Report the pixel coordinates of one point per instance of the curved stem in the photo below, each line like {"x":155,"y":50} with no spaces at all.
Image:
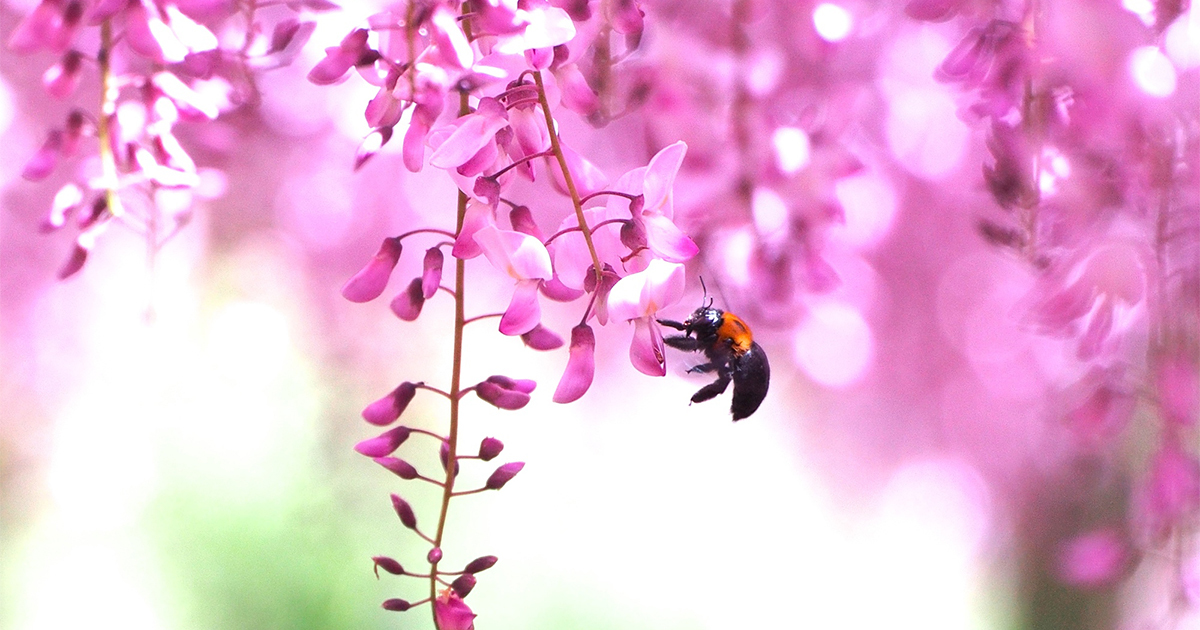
{"x":479,"y":317}
{"x":580,"y":229}
{"x":556,"y":146}
{"x":108,"y":107}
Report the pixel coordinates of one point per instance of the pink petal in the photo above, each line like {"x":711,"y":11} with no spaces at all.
{"x":37,"y":29}
{"x":66,"y":201}
{"x":369,"y":283}
{"x":627,"y":17}
{"x":449,"y":39}
{"x":1097,"y":331}
{"x":521,"y":256}
{"x":407,"y":304}
{"x":503,"y":475}
{"x":470,"y":134}
{"x":1173,"y":489}
{"x":666,"y":240}
{"x":642,"y":294}
{"x":932,"y":10}
{"x":43,"y":162}
{"x":542,"y":338}
{"x":646,"y":350}
{"x":587,"y":177}
{"x":577,"y":95}
{"x":190,"y":103}
{"x":452,"y":613}
{"x":581,"y":365}
{"x":61,"y":79}
{"x":523,"y":313}
{"x":74,"y":262}
{"x":522,"y":221}
{"x":660,"y":178}
{"x":559,"y":292}
{"x":385,"y":443}
{"x":414,"y":138}
{"x":478,"y":216}
{"x":332,"y":69}
{"x":548,"y":27}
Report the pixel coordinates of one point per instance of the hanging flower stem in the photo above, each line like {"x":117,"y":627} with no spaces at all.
{"x":108,"y":107}
{"x":460,"y":321}
{"x":556,"y":146}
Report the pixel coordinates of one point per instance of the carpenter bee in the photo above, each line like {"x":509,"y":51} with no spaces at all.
{"x":732,"y":353}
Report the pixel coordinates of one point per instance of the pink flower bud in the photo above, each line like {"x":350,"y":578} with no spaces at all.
{"x":503,"y":474}
{"x":384,"y":444}
{"x":581,"y":365}
{"x":401,"y":468}
{"x":407,"y":304}
{"x":489,"y":448}
{"x":74,"y":262}
{"x":480,"y":564}
{"x":432,"y":276}
{"x":370,"y":282}
{"x":434,"y":556}
{"x":386,"y":410}
{"x":404,"y":511}
{"x":43,"y":162}
{"x":387,"y":564}
{"x":463,"y":584}
{"x":396,"y":604}
{"x":444,"y":457}
{"x":500,"y":396}
{"x":61,"y":79}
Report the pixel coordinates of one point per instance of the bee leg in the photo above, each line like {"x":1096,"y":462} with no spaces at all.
{"x":702,"y":368}
{"x":683,"y":342}
{"x":672,"y":324}
{"x":712,"y":389}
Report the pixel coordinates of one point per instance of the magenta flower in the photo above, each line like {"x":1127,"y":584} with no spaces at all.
{"x":581,"y":366}
{"x":450,"y":612}
{"x":478,"y":216}
{"x":652,"y":222}
{"x":1094,"y":559}
{"x":61,"y":79}
{"x":468,"y":144}
{"x":50,"y":25}
{"x":353,"y":51}
{"x":525,"y":260}
{"x":637,"y":298}
{"x":387,"y":410}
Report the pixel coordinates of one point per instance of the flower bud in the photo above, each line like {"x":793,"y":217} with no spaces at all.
{"x":371,"y":145}
{"x":401,"y":468}
{"x":385,"y":443}
{"x":581,"y":366}
{"x":404,"y":511}
{"x":387,"y":564}
{"x":387,"y":410}
{"x":370,"y":282}
{"x":522,"y":221}
{"x":503,"y":474}
{"x":463,"y":584}
{"x":480,"y":564}
{"x":396,"y":605}
{"x":434,"y":556}
{"x":431,"y":278}
{"x":489,"y":448}
{"x":504,"y":392}
{"x":444,"y":456}
{"x":407,"y":304}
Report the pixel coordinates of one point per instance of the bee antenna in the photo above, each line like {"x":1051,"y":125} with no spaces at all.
{"x":705,"y":288}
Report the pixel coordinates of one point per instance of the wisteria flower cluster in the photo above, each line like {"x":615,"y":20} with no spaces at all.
{"x":158,"y":65}
{"x":1112,"y":238}
{"x":478,"y":88}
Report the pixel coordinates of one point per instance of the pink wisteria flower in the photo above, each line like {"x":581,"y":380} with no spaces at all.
{"x":525,"y":260}
{"x":653,"y":226}
{"x":452,"y":613}
{"x":637,"y":298}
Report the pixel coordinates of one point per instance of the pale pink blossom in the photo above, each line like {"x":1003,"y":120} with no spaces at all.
{"x":637,"y":298}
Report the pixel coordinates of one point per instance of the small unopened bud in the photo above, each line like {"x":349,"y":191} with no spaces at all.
{"x":401,"y":468}
{"x":463,"y":584}
{"x":396,"y":605}
{"x":503,"y":474}
{"x":434,"y":556}
{"x":431,"y":278}
{"x":387,"y":564}
{"x":404,"y":511}
{"x":407,"y":304}
{"x":480,"y":564}
{"x":444,"y":456}
{"x":370,"y":282}
{"x":386,"y":410}
{"x":504,"y":394}
{"x":489,"y":448}
{"x":384,"y":444}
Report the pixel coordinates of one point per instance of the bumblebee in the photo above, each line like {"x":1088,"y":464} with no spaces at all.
{"x":732,"y":353}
